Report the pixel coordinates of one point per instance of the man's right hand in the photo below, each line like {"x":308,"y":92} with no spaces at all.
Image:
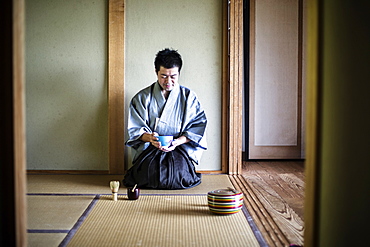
{"x":150,"y":137}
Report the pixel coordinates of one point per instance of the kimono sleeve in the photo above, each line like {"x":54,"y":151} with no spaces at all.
{"x":195,"y":122}
{"x":138,"y":122}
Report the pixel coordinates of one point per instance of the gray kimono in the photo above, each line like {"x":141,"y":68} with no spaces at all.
{"x":180,"y":115}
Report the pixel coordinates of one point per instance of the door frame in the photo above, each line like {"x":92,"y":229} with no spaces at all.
{"x":13,"y":223}
{"x":16,"y":186}
{"x":232,"y":90}
{"x":232,"y":87}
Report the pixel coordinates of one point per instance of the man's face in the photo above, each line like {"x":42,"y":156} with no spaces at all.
{"x":168,"y":78}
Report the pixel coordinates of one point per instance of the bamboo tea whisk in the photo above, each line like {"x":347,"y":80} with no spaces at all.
{"x":114,"y":186}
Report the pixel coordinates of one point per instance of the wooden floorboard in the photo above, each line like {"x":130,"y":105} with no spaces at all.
{"x":279,"y":187}
{"x":266,"y":225}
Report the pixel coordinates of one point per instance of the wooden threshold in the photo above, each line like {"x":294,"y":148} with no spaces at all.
{"x":211,"y":172}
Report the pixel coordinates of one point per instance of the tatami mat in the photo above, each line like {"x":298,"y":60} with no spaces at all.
{"x":71,"y":184}
{"x":161,"y":221}
{"x":55,"y":212}
{"x":78,"y":209}
{"x":99,"y":184}
{"x":45,"y":239}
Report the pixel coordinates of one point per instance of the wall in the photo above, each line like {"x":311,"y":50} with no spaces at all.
{"x":66,"y":85}
{"x":66,"y":81}
{"x":344,"y":150}
{"x":192,"y":27}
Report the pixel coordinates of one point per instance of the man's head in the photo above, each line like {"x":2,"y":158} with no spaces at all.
{"x":168,"y":59}
{"x":168,"y":64}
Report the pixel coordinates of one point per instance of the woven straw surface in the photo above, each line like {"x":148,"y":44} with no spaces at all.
{"x":55,"y":212}
{"x":45,"y":239}
{"x":157,"y":218}
{"x":99,"y":184}
{"x":161,"y":221}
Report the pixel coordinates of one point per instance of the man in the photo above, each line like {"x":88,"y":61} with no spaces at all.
{"x":165,"y":108}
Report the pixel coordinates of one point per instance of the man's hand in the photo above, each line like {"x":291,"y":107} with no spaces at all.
{"x":171,"y":147}
{"x":175,"y":143}
{"x":150,"y":137}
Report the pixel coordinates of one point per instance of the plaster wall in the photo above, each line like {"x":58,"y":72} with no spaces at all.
{"x":66,"y":85}
{"x":66,"y":73}
{"x":192,"y":27}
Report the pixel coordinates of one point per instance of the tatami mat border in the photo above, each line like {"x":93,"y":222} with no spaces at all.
{"x":79,"y":222}
{"x":254,"y":228}
{"x":123,"y":194}
{"x":60,"y":194}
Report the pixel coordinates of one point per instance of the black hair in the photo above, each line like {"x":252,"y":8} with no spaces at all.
{"x":167,"y":58}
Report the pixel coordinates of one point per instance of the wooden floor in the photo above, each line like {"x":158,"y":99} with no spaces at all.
{"x":279,"y":187}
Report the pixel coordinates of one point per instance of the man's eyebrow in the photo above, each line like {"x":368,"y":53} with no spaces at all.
{"x":169,"y":75}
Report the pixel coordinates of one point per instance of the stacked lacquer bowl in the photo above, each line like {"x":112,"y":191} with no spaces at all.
{"x":225,"y":201}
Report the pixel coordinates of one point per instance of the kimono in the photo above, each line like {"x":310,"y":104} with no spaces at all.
{"x":180,"y":115}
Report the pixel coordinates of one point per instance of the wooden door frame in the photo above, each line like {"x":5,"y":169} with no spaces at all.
{"x":232,"y":92}
{"x":13,"y":223}
{"x":232,"y":87}
{"x":116,"y":125}
{"x":16,"y":179}
{"x":313,"y":132}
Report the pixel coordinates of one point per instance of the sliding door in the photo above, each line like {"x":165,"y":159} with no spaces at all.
{"x":276,"y":80}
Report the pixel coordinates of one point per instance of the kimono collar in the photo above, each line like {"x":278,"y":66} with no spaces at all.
{"x":161,"y":100}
